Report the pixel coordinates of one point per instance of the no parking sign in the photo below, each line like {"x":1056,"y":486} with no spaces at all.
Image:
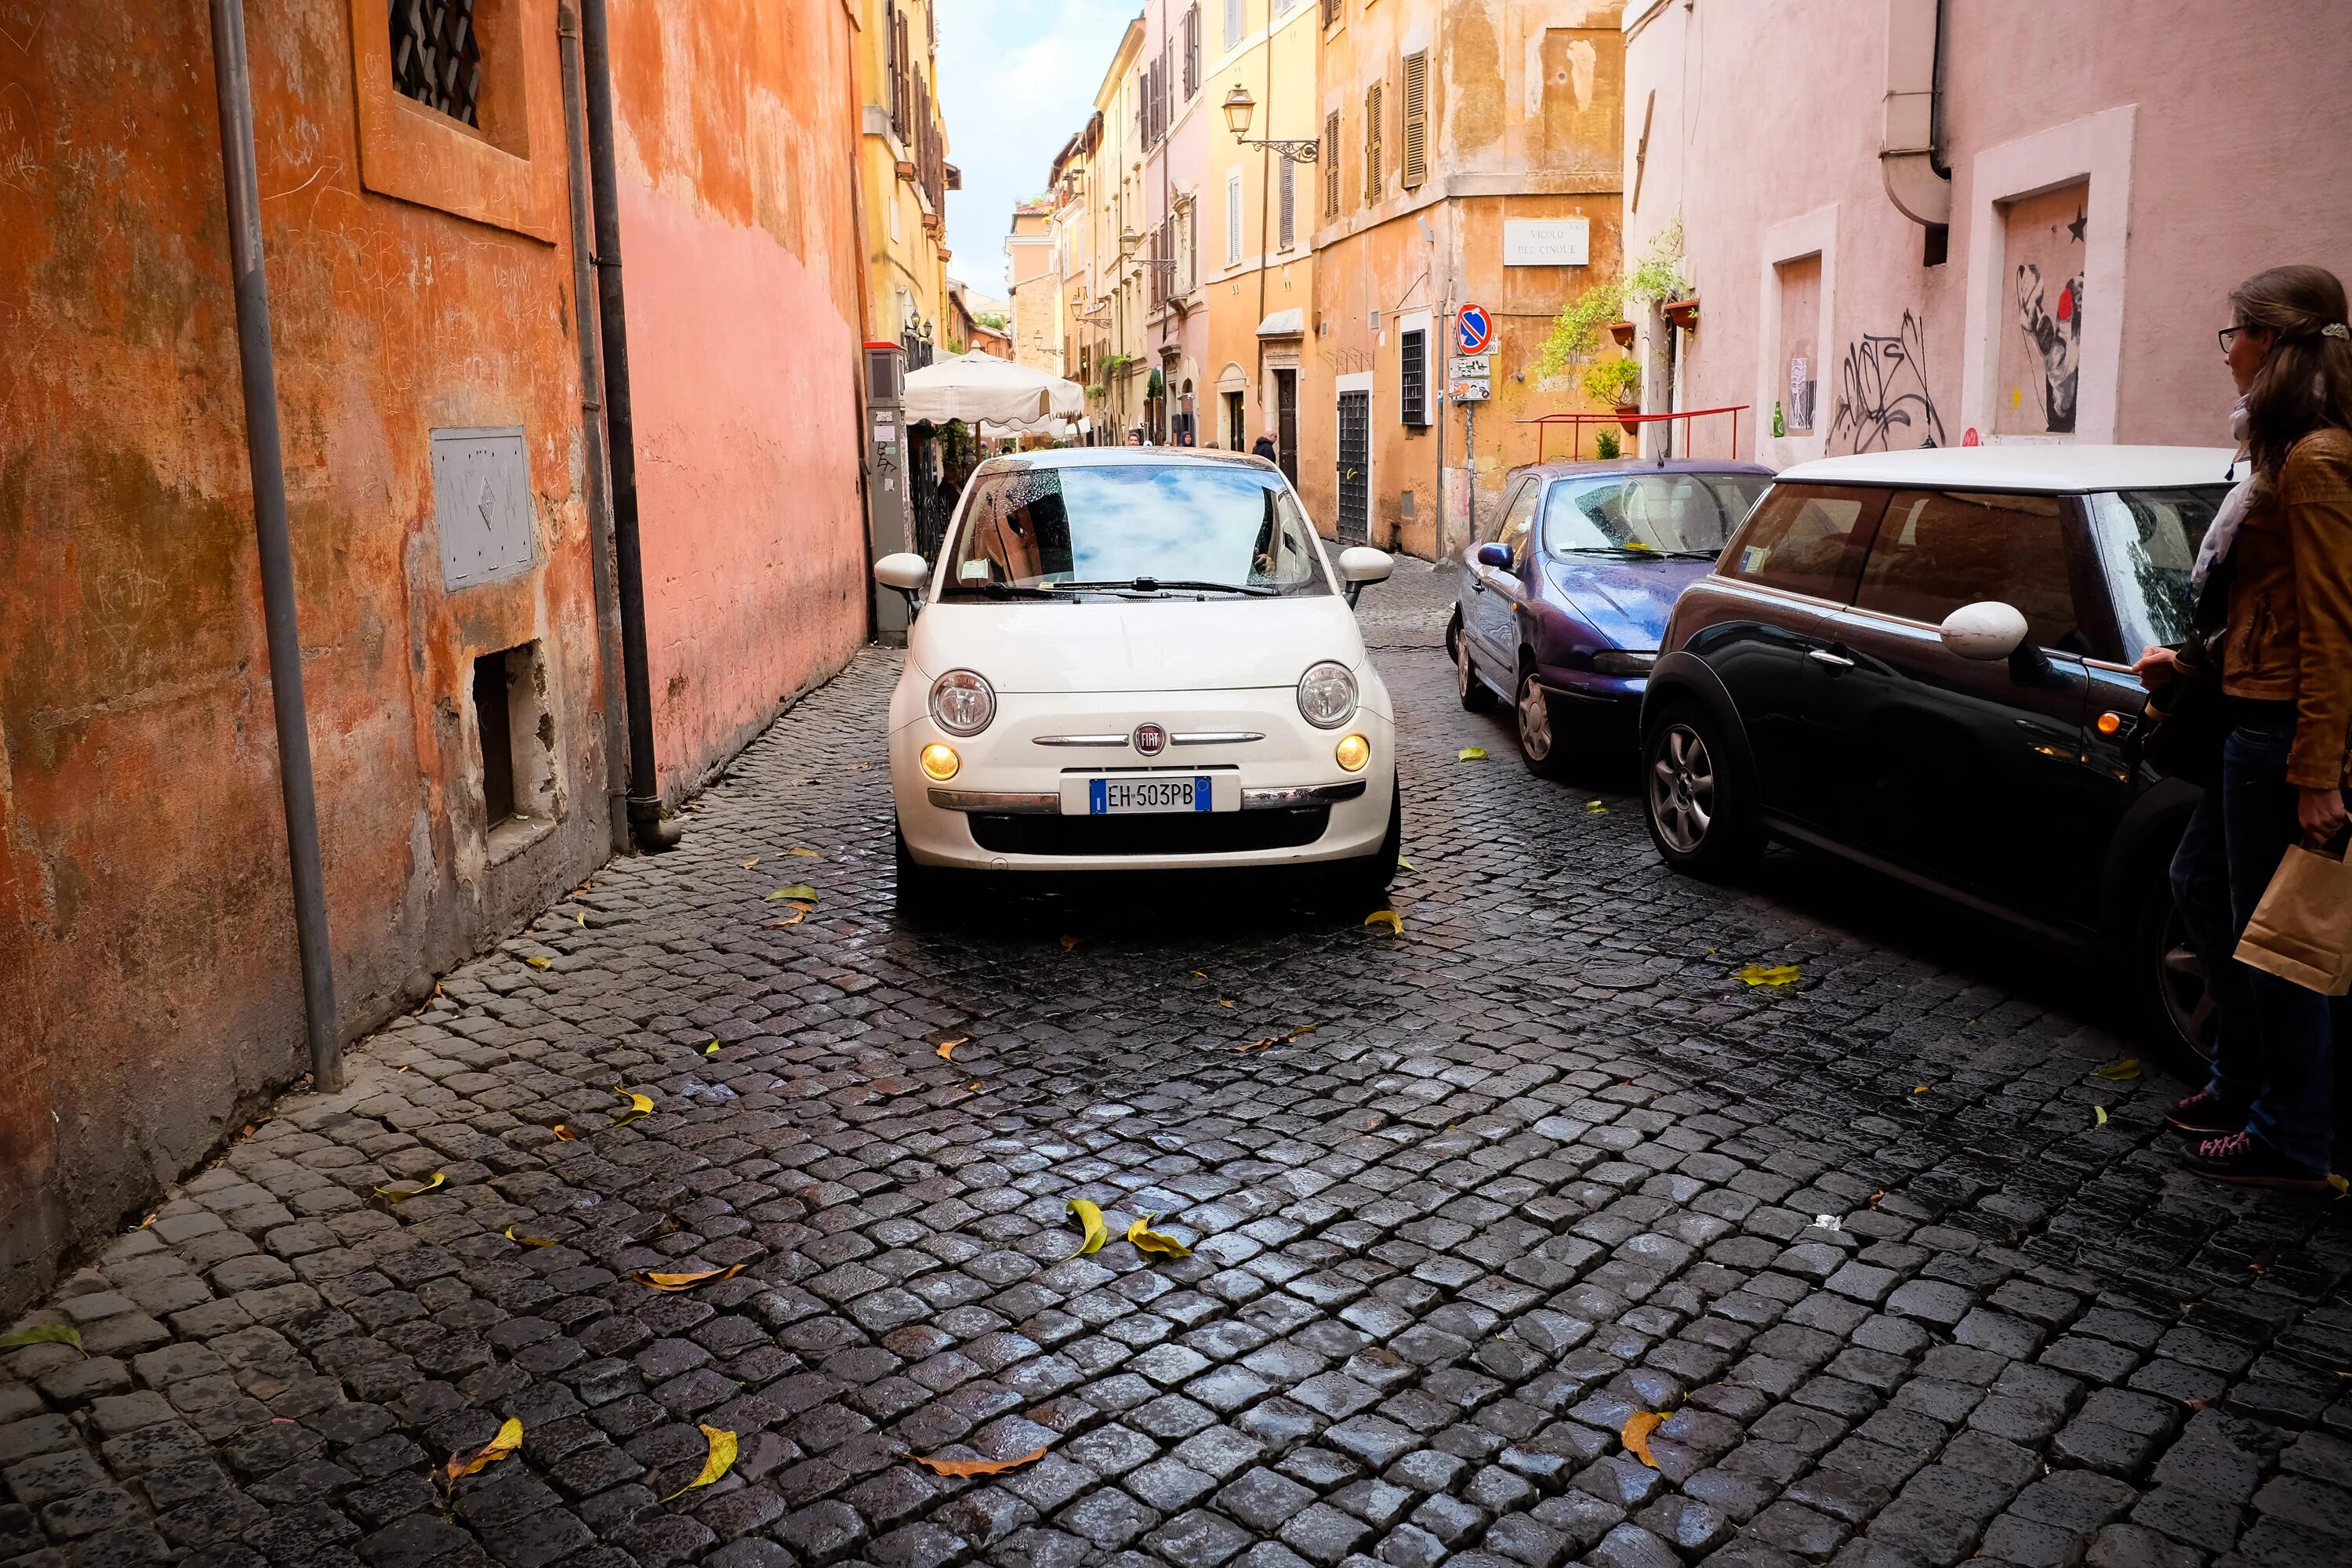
{"x":1474,"y":330}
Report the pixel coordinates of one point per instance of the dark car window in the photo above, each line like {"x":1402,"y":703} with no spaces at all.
{"x":1671,"y":514}
{"x":1937,"y":550}
{"x":1806,"y":539}
{"x":2147,"y":543}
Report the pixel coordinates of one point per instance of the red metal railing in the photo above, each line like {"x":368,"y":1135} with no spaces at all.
{"x":1577,"y":422}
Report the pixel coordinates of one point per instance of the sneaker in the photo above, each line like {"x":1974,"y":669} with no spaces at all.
{"x":2206,"y":1112}
{"x":2243,"y":1161}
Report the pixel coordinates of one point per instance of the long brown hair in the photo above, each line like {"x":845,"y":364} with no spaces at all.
{"x":2306,"y":381}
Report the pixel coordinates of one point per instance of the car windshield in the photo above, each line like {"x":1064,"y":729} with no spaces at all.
{"x":2148,"y":544}
{"x":1689,"y":515}
{"x":1144,"y":528}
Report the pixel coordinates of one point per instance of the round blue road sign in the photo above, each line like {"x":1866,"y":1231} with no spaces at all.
{"x":1473,"y":331}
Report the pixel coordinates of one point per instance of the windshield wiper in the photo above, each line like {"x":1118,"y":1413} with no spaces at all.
{"x":1623,"y":551}
{"x":1181,"y":586}
{"x":994,"y":590}
{"x":1695,"y":555}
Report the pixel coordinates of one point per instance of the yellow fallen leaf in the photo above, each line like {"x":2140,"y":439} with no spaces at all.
{"x":973,"y":1084}
{"x":1635,"y":1433}
{"x":1769,"y":974}
{"x":1920,"y":1089}
{"x":1595,"y":807}
{"x":540,"y":962}
{"x":974,"y":1466}
{"x":946,"y":1047}
{"x":393,"y":1194}
{"x":1405,"y":865}
{"x":1199,"y":974}
{"x":42,"y":1334}
{"x":509,"y":1439}
{"x":1256,"y":1044}
{"x":2102,"y":1111}
{"x":564,"y":1133}
{"x":684,"y":1281}
{"x":1471,"y":754}
{"x":799,"y":892}
{"x":747,"y":865}
{"x":1145,"y":1240}
{"x":1303,"y":1029}
{"x":1387,"y":918}
{"x":2123,"y":1071}
{"x":1225,"y":1004}
{"x":1090,"y":1218}
{"x":801,"y":852}
{"x":711,"y":1050}
{"x":583,"y":918}
{"x":791,"y":919}
{"x":720,"y":1460}
{"x":527,"y":1240}
{"x":1069,"y":943}
{"x":640,"y":1107}
{"x":2341,"y":1186}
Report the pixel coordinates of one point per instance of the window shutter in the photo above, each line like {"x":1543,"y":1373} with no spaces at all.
{"x":1416,"y":119}
{"x":1288,"y":206}
{"x":1192,"y":50}
{"x":1331,"y":164}
{"x":1234,"y":220}
{"x":1372,"y":144}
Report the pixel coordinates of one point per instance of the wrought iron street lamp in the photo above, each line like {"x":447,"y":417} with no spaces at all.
{"x":1239,"y":105}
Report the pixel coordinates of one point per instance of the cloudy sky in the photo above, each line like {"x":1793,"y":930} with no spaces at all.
{"x":1017,"y":79}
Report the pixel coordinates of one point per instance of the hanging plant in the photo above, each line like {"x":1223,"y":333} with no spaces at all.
{"x":1613,"y":382}
{"x":1576,"y":333}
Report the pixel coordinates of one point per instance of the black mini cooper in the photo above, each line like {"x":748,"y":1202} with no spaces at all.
{"x":1921,"y":661}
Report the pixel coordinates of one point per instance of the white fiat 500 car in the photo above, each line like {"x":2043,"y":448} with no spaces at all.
{"x":1138,"y":659}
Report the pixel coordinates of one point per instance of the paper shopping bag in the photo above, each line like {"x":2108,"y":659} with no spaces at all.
{"x":2302,"y":930}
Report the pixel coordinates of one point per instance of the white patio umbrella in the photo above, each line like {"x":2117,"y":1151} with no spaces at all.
{"x":979,"y":387}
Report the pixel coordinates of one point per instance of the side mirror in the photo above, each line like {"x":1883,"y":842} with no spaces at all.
{"x":906,"y":571}
{"x":1985,"y":631}
{"x":1361,"y":565}
{"x":1497,"y":556}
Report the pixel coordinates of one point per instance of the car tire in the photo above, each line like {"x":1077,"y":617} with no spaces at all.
{"x":1477,"y":696}
{"x":1364,"y":883}
{"x":1700,"y":811}
{"x":2166,"y":980}
{"x":922,"y":889}
{"x":1542,"y":747}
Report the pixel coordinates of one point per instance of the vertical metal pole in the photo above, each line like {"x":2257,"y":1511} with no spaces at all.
{"x":644,"y":792}
{"x":232,"y":80}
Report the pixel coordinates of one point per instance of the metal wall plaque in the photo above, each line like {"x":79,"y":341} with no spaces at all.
{"x":482,"y":504}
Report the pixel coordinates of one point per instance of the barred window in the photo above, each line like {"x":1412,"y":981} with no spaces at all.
{"x":437,"y":56}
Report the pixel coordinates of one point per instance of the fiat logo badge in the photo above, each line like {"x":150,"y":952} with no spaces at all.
{"x":1150,"y":740}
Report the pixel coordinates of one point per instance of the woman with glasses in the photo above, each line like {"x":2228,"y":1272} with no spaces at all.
{"x":2279,"y":555}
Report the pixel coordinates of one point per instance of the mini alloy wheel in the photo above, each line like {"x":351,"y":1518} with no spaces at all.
{"x":1696,"y":798}
{"x":1682,"y":789}
{"x":2175,"y":999}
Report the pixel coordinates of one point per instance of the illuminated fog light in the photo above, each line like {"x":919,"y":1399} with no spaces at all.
{"x":940,"y":762}
{"x":1352,"y":753}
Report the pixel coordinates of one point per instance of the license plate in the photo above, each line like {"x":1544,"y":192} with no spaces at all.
{"x":1142,"y":796}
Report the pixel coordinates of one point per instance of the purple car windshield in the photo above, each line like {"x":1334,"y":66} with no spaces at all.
{"x":1689,"y":515}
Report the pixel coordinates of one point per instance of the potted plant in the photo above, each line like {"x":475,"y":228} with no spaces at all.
{"x":1615,"y":384}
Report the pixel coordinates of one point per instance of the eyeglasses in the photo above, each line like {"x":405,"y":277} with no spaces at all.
{"x":2229,"y":335}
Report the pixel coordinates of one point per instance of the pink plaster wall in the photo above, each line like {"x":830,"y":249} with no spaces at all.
{"x":1769,"y":110}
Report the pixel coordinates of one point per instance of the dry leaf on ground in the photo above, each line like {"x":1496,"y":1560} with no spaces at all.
{"x":540,"y":962}
{"x":509,"y":1439}
{"x":801,"y":852}
{"x":1471,"y":754}
{"x":640,"y":1107}
{"x":393,"y":1195}
{"x":1595,"y":807}
{"x":747,"y":865}
{"x":675,"y":1282}
{"x":1090,"y":1218}
{"x":1387,"y":918}
{"x":2102,"y":1112}
{"x":722,"y":1458}
{"x":2123,"y":1071}
{"x":1636,"y":1434}
{"x":1769,"y":974}
{"x":1069,"y":943}
{"x":1921,"y":1089}
{"x":1405,"y":865}
{"x":1146,"y":1239}
{"x":2341,"y":1186}
{"x":798,"y":892}
{"x":791,"y":919}
{"x":711,"y":1050}
{"x":974,"y":1466}
{"x":41,"y":1334}
{"x":1256,"y":1044}
{"x":564,"y":1133}
{"x":1304,"y":1029}
{"x":946,"y":1047}
{"x":528,"y":1240}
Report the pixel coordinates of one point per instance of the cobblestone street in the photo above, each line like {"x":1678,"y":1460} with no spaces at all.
{"x":1463,"y":1201}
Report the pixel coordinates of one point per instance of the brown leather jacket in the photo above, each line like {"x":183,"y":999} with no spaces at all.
{"x":2290,"y":619}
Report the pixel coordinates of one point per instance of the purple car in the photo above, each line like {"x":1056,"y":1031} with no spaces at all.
{"x":1563,"y":598}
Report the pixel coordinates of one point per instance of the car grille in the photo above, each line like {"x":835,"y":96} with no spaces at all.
{"x":1195,"y":833}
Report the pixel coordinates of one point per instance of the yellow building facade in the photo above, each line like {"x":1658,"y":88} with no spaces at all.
{"x":904,"y":177}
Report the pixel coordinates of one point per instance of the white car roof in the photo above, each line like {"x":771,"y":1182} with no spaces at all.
{"x":2025,"y":466}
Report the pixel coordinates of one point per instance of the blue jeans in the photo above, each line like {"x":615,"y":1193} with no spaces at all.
{"x":2273,"y":1050}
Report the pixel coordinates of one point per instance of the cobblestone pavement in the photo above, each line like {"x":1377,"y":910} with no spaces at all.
{"x":1542,"y":1164}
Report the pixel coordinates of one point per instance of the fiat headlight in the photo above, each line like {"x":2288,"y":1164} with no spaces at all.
{"x":962,"y":704}
{"x":1327,"y":695}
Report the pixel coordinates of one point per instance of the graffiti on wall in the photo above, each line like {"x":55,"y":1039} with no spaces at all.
{"x":2043,"y":249}
{"x":1882,"y":393}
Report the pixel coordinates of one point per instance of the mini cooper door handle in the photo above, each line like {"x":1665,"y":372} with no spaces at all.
{"x":1824,"y":656}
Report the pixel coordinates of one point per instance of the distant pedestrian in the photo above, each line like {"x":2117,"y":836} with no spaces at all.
{"x":1135,"y":436}
{"x":2282,"y":554}
{"x":1264,"y":448}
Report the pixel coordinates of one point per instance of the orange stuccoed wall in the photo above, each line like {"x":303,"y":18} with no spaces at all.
{"x":150,"y":1001}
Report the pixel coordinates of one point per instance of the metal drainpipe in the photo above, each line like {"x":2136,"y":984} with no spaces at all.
{"x":233,"y":82}
{"x":647,"y":826}
{"x":592,"y":426}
